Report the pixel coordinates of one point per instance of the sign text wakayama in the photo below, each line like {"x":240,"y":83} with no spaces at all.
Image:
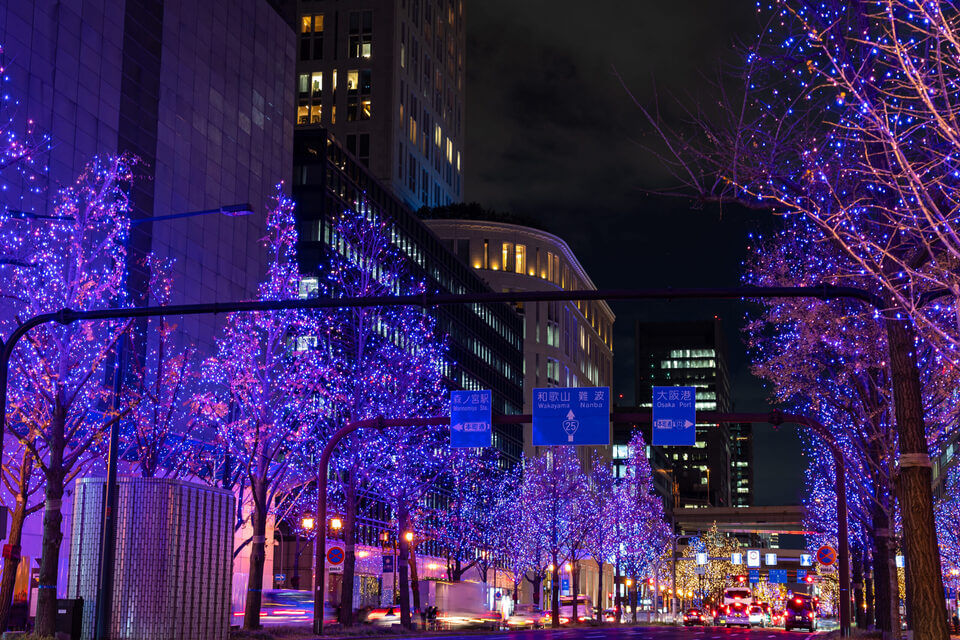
{"x":571,"y":416}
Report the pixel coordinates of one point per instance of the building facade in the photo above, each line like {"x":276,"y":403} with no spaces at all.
{"x":741,"y":464}
{"x":565,"y":344}
{"x":158,"y":79}
{"x":694,"y":354}
{"x":386,"y":79}
{"x":485,"y":341}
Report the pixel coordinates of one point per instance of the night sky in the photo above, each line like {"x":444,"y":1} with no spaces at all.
{"x":552,"y":134}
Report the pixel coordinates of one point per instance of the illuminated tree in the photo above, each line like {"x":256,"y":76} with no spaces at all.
{"x":59,"y":403}
{"x":380,"y":361}
{"x":156,"y":433}
{"x":948,"y":528}
{"x":23,"y":483}
{"x":846,"y":114}
{"x":600,"y":519}
{"x":264,"y":389}
{"x":552,"y":483}
{"x":23,"y":146}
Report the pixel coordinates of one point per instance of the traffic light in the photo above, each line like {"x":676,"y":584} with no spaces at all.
{"x":809,"y":579}
{"x":650,"y":582}
{"x":741,"y":579}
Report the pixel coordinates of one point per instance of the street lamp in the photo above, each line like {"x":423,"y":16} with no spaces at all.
{"x":336,"y":523}
{"x":408,"y":536}
{"x":104,"y":601}
{"x":307,"y":522}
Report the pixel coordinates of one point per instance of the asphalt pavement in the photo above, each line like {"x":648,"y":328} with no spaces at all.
{"x":638,"y":633}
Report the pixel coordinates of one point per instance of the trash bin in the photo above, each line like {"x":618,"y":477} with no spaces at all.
{"x":70,"y":617}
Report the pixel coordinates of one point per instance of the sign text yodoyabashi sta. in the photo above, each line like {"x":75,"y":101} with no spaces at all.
{"x":471,"y":420}
{"x":571,"y":416}
{"x":674,"y":416}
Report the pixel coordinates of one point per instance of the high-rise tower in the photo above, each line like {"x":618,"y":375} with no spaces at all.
{"x":386,"y":79}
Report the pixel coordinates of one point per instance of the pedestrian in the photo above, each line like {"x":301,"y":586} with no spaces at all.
{"x":956,"y":623}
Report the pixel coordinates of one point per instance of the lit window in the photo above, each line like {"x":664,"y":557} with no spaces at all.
{"x":520,"y":262}
{"x":437,"y":136}
{"x":316,"y":82}
{"x":303,"y":114}
{"x":507,"y":249}
{"x":360,"y":34}
{"x":311,"y":37}
{"x":353,"y":80}
{"x":303,"y":83}
{"x":449,"y":150}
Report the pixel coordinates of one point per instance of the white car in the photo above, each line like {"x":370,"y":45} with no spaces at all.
{"x":757,"y":617}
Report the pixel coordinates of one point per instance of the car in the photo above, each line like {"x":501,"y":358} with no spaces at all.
{"x":693,"y":617}
{"x":585,"y":609}
{"x":547,"y":619}
{"x":525,"y":616}
{"x":288,"y":606}
{"x":757,"y":616}
{"x":800,"y":613}
{"x":610,"y":615}
{"x":737,"y":614}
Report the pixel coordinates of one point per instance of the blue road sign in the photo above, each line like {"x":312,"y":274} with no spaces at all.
{"x":801,"y":575}
{"x":754,"y":576}
{"x":571,"y":416}
{"x":777,"y":576}
{"x":471,"y":418}
{"x":674,"y":416}
{"x":564,"y":586}
{"x":388,"y":563}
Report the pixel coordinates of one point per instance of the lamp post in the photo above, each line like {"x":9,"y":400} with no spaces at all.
{"x":104,"y":603}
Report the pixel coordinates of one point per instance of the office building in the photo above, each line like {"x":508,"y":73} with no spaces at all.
{"x":386,"y":79}
{"x":693,"y":354}
{"x":565,"y":344}
{"x":741,"y":464}
{"x":159,"y":79}
{"x":485,"y":341}
{"x":660,"y":467}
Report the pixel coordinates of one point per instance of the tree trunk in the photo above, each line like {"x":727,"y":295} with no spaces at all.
{"x":633,"y":599}
{"x":403,"y":519}
{"x":857,"y":584}
{"x":869,"y":596}
{"x":414,"y":578}
{"x":10,"y":565}
{"x":555,"y":592}
{"x":617,"y":600}
{"x":925,"y":596}
{"x":574,"y":575}
{"x":349,"y":551}
{"x":50,"y":554}
{"x":599,"y":607}
{"x":535,"y":583}
{"x":886,"y":603}
{"x":251,"y":611}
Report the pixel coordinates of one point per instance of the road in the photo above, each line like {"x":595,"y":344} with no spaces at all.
{"x":639,"y":633}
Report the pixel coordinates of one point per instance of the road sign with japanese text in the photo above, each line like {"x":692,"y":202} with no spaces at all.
{"x":777,"y":576}
{"x":571,"y":416}
{"x":754,"y":576}
{"x":471,"y":418}
{"x":674,"y":416}
{"x":335,"y":557}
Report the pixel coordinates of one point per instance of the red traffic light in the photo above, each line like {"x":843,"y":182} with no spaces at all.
{"x":650,"y":581}
{"x":741,"y":579}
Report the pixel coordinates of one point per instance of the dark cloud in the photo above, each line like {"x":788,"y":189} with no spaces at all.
{"x":553,"y":134}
